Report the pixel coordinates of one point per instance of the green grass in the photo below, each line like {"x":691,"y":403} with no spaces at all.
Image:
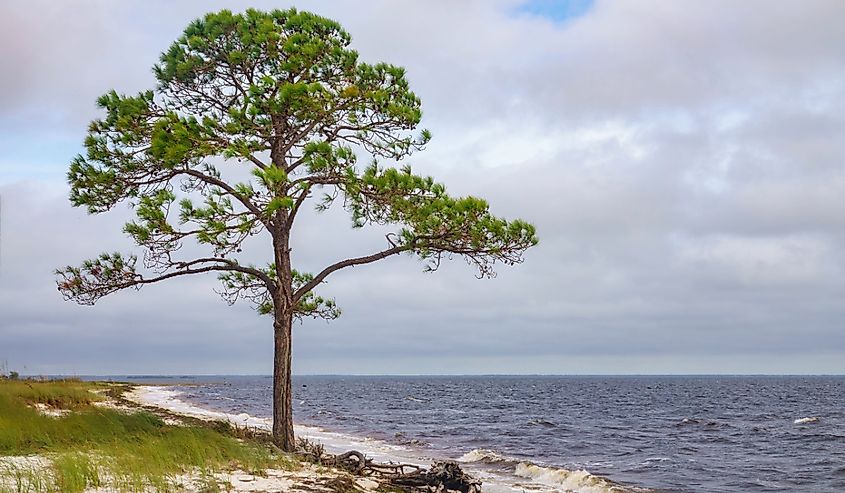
{"x":94,"y":446}
{"x":64,"y":394}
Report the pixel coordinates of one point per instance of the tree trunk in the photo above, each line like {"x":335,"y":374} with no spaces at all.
{"x":282,"y":387}
{"x":283,"y":308}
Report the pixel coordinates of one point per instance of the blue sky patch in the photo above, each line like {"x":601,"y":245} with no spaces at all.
{"x":27,"y":157}
{"x":559,"y":11}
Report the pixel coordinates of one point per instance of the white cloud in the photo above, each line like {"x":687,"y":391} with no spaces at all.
{"x":683,"y":163}
{"x":761,"y":262}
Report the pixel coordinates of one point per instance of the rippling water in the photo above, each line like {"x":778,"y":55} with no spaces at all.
{"x":714,"y":434}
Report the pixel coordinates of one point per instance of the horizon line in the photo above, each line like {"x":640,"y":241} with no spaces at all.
{"x":189,"y":375}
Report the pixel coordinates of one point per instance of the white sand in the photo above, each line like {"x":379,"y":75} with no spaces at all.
{"x":51,"y":411}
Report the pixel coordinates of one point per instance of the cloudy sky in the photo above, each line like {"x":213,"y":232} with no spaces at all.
{"x":684,"y":163}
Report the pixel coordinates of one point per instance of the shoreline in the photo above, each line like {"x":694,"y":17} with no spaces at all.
{"x":120,"y":419}
{"x":499,"y":474}
{"x":163,"y":397}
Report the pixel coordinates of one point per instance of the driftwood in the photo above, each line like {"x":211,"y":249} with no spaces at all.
{"x":441,"y":477}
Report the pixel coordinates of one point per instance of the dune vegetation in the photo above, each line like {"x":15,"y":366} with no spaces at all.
{"x":68,"y":436}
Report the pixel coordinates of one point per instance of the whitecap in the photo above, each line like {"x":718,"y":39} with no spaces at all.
{"x":580,"y":480}
{"x":811,"y":419}
{"x":484,"y":455}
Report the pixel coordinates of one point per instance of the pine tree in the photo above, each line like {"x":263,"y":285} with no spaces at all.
{"x":281,"y":96}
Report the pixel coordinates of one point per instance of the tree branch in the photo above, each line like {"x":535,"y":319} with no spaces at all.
{"x":233,"y":266}
{"x":110,"y":273}
{"x":348,"y":263}
{"x":306,"y":190}
{"x":229,"y":189}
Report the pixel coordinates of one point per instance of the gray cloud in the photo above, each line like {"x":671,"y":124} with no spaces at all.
{"x":682,"y":161}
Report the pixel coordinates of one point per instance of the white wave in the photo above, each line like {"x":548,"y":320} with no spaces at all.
{"x":484,"y":455}
{"x":811,"y":419}
{"x":167,"y":398}
{"x":579,"y":481}
{"x":541,"y":479}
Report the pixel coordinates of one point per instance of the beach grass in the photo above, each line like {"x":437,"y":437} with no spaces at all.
{"x":64,"y":394}
{"x":93,"y":446}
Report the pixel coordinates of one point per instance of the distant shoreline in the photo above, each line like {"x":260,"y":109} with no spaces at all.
{"x":170,"y":377}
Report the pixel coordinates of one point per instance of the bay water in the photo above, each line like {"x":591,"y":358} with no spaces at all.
{"x":574,"y":433}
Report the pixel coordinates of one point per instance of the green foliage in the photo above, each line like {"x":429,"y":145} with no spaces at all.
{"x":97,"y":277}
{"x":281,"y":95}
{"x":434,"y":221}
{"x":271,"y":177}
{"x":239,"y":285}
{"x":311,"y":305}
